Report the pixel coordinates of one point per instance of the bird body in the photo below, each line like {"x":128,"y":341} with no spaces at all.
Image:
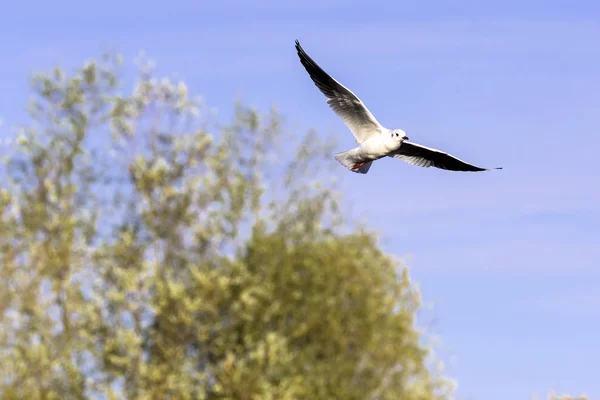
{"x":373,"y":148}
{"x":375,"y":141}
{"x":379,"y":146}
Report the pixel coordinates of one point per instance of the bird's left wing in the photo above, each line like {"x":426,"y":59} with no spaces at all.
{"x":344,"y":103}
{"x":422,"y":156}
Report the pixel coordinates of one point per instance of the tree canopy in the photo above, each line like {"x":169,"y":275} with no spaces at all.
{"x":150,"y":251}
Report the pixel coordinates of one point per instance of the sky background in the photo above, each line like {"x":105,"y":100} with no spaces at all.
{"x":508,"y":262}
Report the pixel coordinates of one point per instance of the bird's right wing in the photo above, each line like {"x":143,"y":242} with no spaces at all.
{"x":346,"y":104}
{"x":422,"y":156}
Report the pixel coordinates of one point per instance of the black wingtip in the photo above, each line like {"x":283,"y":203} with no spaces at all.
{"x":300,"y":50}
{"x":490,"y":169}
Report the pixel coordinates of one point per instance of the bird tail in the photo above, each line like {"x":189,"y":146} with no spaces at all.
{"x":349,"y":161}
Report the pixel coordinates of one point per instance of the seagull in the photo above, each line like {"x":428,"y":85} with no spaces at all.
{"x":375,"y":141}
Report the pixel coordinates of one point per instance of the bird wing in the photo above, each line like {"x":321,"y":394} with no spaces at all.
{"x":346,"y":104}
{"x":422,"y":156}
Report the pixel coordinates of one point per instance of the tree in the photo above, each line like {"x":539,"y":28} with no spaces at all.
{"x":144,"y":258}
{"x":553,"y":396}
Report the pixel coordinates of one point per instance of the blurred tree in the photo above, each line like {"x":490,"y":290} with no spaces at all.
{"x":553,"y":396}
{"x":144,"y":258}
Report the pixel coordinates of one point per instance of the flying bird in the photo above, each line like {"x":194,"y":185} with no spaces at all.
{"x":375,"y":141}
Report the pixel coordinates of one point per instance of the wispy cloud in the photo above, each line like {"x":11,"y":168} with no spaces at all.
{"x":574,"y":302}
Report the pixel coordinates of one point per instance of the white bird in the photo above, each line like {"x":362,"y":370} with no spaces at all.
{"x":374,"y":140}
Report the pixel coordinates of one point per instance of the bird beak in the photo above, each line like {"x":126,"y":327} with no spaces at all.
{"x":404,"y":137}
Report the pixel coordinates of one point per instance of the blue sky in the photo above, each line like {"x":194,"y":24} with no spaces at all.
{"x":510,"y":260}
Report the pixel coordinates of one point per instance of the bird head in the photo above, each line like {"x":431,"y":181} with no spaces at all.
{"x":398,"y":135}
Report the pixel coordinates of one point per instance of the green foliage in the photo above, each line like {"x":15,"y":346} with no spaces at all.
{"x":143,"y":257}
